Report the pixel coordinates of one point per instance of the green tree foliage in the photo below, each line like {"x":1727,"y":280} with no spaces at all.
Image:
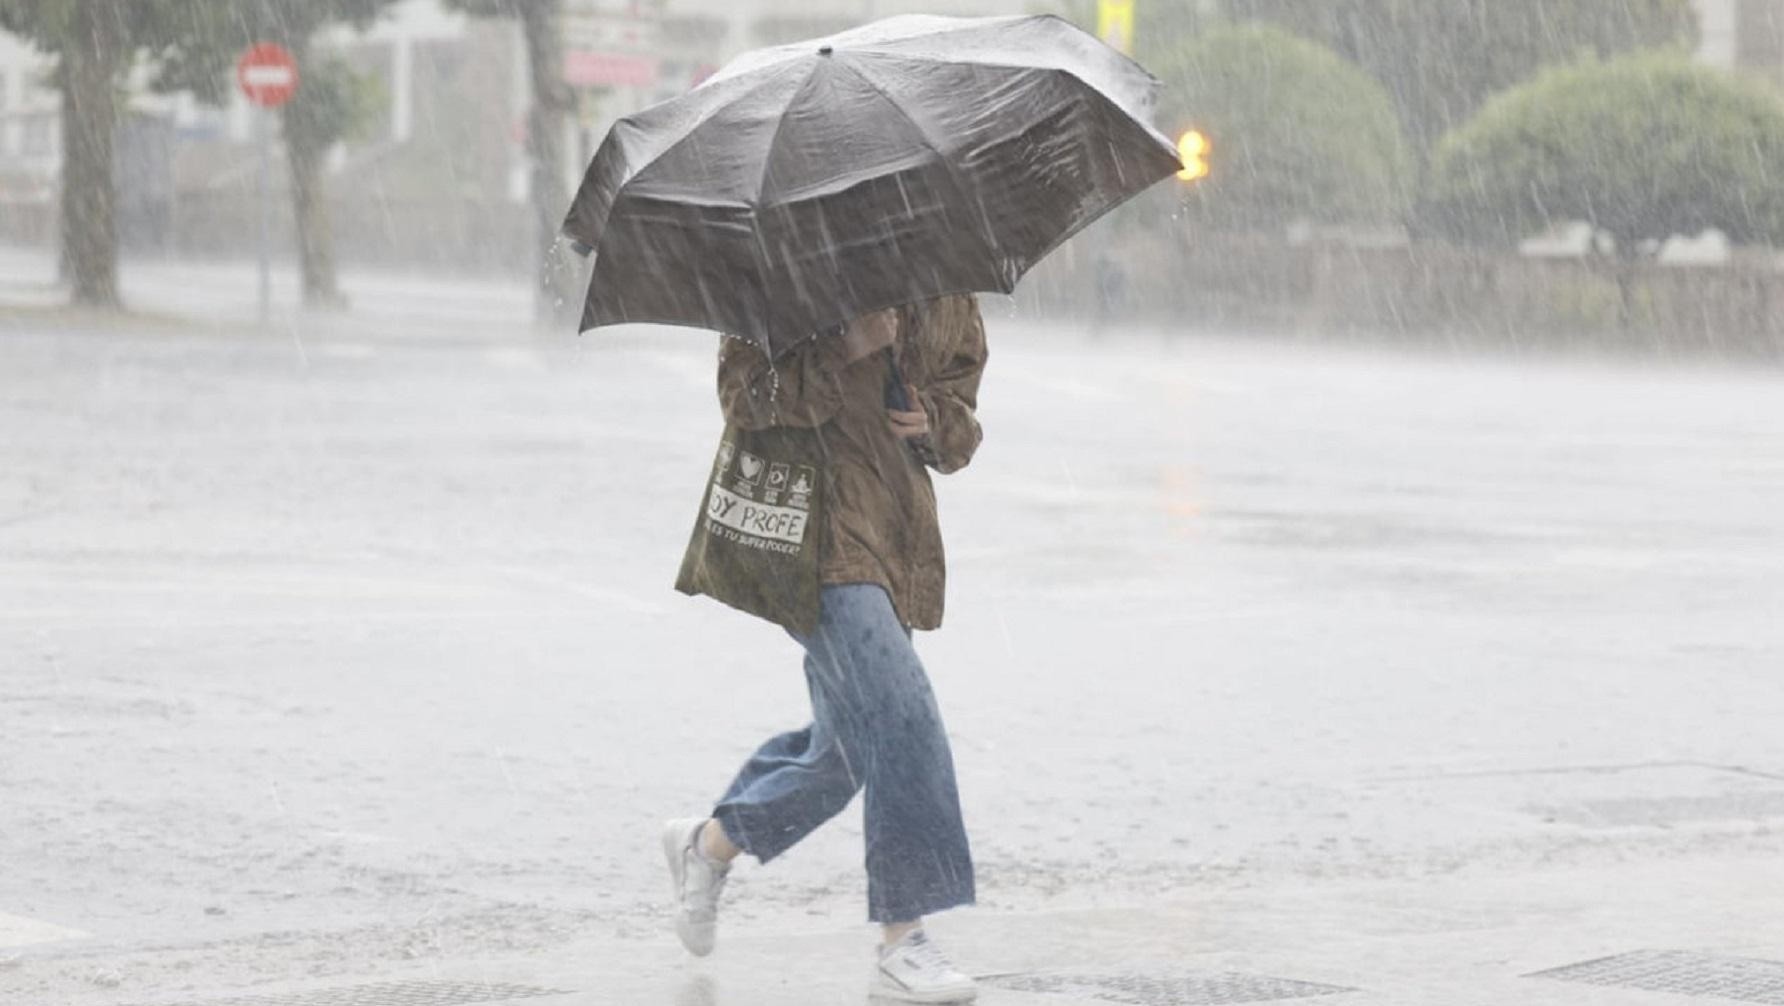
{"x":1442,"y":59}
{"x":199,"y":42}
{"x":193,"y":44}
{"x":1642,"y":147}
{"x":94,"y":42}
{"x":1297,"y":133}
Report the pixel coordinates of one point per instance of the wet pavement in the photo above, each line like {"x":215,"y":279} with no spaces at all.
{"x":1434,"y":940}
{"x":346,"y":653}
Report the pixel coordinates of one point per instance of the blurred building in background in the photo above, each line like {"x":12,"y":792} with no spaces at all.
{"x":1745,"y":35}
{"x":30,"y":141}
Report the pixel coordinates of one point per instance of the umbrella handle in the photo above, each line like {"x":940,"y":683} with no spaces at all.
{"x":895,"y":396}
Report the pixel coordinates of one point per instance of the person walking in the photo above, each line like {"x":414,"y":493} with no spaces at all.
{"x":875,"y":723}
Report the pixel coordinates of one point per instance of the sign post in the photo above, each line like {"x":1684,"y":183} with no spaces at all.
{"x":1115,"y":24}
{"x":267,"y":76}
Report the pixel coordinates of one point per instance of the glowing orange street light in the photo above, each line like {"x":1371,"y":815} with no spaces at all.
{"x":1193,"y":148}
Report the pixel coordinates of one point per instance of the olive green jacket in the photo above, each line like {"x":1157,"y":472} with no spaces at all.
{"x":879,"y":523}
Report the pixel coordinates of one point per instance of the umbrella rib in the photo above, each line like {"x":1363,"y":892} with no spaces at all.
{"x":1145,"y":84}
{"x":971,"y":191}
{"x":774,"y":137}
{"x":1105,"y":205}
{"x":698,"y":125}
{"x":755,"y":201}
{"x":896,"y":46}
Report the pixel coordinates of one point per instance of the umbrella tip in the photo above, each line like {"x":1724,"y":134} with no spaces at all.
{"x":824,"y":50}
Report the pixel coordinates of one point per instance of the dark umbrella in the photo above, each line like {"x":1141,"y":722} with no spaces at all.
{"x":914,"y":157}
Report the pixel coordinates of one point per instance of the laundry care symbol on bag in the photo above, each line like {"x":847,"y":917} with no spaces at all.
{"x":799,"y":494}
{"x":777,"y":481}
{"x":749,"y":473}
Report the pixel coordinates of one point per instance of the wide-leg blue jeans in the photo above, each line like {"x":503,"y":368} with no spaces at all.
{"x":875,"y":726}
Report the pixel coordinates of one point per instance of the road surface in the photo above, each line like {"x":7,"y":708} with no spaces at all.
{"x":328,"y":654}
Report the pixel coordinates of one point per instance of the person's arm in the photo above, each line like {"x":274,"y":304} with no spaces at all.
{"x":951,"y":397}
{"x":801,"y":387}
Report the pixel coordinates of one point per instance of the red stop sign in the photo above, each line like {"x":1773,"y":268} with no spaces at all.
{"x":267,"y":74}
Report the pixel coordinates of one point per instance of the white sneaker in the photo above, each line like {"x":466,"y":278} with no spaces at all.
{"x":914,"y":971}
{"x":698,"y":882}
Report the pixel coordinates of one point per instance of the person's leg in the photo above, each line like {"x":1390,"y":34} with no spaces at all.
{"x":918,"y":861}
{"x":884,"y":712}
{"x":782,"y":758}
{"x":875,"y":725}
{"x":791,"y":785}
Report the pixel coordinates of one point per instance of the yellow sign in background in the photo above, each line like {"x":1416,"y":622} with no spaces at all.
{"x":1115,"y":24}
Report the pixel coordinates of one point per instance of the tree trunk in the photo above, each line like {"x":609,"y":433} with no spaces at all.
{"x":305,"y":150}
{"x":89,"y":123}
{"x":1625,"y":265}
{"x":556,"y":299}
{"x":71,"y":195}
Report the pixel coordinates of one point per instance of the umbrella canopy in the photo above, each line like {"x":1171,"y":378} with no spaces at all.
{"x":914,"y":157}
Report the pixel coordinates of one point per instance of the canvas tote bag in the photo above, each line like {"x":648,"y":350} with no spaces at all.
{"x":755,"y":543}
